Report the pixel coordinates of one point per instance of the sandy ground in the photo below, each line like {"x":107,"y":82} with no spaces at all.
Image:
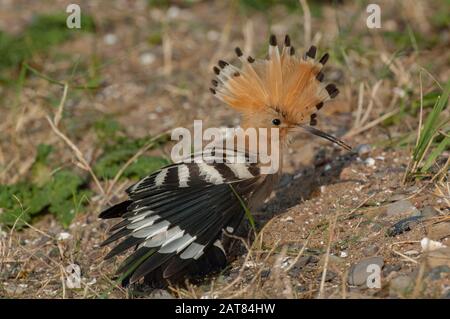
{"x":334,"y":212}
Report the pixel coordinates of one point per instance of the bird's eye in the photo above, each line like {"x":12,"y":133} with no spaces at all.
{"x":276,"y":122}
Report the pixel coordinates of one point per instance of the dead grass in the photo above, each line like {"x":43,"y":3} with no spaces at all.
{"x":337,"y":203}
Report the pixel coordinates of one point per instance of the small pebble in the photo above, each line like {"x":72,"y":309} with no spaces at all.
{"x":358,"y":273}
{"x":363,"y":149}
{"x":302,"y":263}
{"x":400,"y":285}
{"x":332,"y":260}
{"x":160,"y":294}
{"x":430,"y":245}
{"x":402,"y":207}
{"x":63,"y":236}
{"x":173,"y":12}
{"x":400,"y":92}
{"x":147,"y":58}
{"x":328,"y":277}
{"x":436,"y":272}
{"x":369,"y":161}
{"x":287,"y":219}
{"x":110,"y":39}
{"x":370,"y":250}
{"x":429,"y":211}
{"x":265,"y":273}
{"x":301,"y":288}
{"x":16,"y":290}
{"x":212,"y":35}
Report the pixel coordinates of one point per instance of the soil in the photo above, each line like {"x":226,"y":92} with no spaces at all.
{"x":333,"y":209}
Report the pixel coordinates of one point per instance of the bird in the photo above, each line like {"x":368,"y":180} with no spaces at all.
{"x":175,"y":219}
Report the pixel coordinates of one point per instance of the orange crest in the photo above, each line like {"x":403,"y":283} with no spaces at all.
{"x":284,"y":82}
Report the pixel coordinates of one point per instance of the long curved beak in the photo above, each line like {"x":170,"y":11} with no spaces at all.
{"x":326,"y":136}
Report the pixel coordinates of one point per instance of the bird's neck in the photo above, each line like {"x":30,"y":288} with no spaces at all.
{"x":267,"y":143}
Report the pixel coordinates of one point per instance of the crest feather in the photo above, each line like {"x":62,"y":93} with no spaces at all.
{"x":283,"y":81}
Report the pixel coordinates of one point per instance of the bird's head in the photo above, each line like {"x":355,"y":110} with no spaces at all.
{"x":283,"y":91}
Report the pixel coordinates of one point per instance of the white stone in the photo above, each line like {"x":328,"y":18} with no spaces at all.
{"x":110,"y":39}
{"x":369,"y":161}
{"x":63,"y":236}
{"x":287,"y":219}
{"x":147,"y":58}
{"x":212,"y":35}
{"x":173,"y":12}
{"x":430,"y":245}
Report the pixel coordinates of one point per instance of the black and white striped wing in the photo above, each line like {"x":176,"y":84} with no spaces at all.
{"x":175,"y":216}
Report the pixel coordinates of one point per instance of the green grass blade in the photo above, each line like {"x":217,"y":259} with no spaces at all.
{"x":43,"y":76}
{"x":435,"y":154}
{"x":248,"y":214}
{"x":20,"y":83}
{"x":431,"y":124}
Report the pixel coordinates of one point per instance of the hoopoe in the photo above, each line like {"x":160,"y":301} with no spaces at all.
{"x":175,"y":218}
